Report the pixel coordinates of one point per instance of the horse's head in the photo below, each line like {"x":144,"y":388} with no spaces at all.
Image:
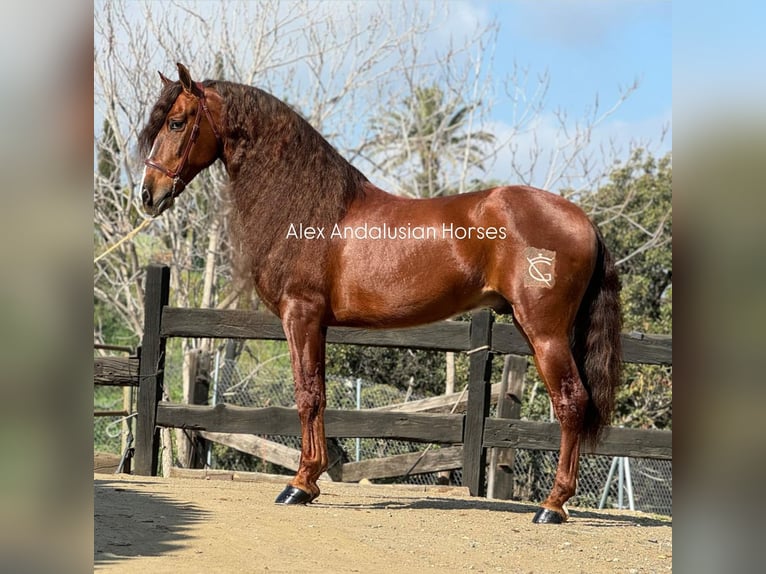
{"x":184,"y":139}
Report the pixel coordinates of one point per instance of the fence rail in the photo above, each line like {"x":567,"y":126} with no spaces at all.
{"x":443,"y":336}
{"x":237,"y":324}
{"x":474,"y":430}
{"x":423,"y":427}
{"x":115,"y":371}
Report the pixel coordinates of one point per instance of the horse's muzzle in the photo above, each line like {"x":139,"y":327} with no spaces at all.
{"x":156,"y":208}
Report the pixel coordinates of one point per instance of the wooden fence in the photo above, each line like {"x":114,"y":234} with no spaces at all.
{"x":477,"y":433}
{"x":116,"y":371}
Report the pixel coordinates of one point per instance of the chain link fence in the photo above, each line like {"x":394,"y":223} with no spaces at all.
{"x":270,"y":383}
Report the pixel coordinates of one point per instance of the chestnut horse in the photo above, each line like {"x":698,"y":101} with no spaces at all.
{"x":324,"y":246}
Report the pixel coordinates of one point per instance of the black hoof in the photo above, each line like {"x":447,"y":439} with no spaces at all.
{"x":548,"y":516}
{"x":294,"y":495}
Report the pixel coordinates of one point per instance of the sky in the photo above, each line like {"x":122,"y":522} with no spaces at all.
{"x":594,"y":48}
{"x":591,"y":47}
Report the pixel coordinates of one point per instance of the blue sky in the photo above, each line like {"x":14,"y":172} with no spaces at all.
{"x":719,"y":58}
{"x":593,"y":47}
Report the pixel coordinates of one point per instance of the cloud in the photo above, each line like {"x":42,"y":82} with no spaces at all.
{"x":579,"y":24}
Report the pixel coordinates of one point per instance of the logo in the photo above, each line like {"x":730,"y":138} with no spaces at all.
{"x":541,"y":267}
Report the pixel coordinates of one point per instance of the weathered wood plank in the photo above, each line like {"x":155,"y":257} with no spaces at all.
{"x":647,"y":349}
{"x":441,"y":336}
{"x":116,"y":371}
{"x":479,"y":372}
{"x":151,"y":369}
{"x":448,"y":458}
{"x":636,"y":347}
{"x":239,"y":324}
{"x":639,"y":443}
{"x":220,"y":324}
{"x":439,"y":404}
{"x":500,"y":472}
{"x":265,"y":449}
{"x":338,"y":423}
{"x":508,"y":340}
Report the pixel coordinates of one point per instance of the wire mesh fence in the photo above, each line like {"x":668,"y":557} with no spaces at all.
{"x":270,"y":384}
{"x":108,"y":431}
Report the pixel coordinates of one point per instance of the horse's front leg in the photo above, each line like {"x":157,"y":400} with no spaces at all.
{"x":306,"y":341}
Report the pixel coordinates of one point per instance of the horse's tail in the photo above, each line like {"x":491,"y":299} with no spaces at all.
{"x":597,"y":347}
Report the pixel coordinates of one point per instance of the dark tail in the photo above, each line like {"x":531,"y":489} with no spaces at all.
{"x":597,"y":349}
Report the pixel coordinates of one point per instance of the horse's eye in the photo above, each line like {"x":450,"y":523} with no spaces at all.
{"x":176,"y":125}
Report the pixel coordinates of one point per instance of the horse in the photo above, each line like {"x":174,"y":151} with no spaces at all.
{"x":323,"y":246}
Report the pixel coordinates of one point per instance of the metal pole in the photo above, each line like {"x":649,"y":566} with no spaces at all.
{"x":629,"y":484}
{"x":608,"y":483}
{"x":620,"y":481}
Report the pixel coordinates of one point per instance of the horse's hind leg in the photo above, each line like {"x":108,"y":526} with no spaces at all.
{"x":559,"y":372}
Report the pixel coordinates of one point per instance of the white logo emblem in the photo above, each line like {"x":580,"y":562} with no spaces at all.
{"x":540,"y":271}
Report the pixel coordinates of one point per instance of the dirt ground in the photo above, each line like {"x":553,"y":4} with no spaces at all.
{"x":218,"y":524}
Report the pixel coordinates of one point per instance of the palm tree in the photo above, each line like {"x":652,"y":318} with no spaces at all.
{"x":424,"y":135}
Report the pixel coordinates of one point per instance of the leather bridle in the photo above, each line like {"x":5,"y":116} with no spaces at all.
{"x":175,"y":174}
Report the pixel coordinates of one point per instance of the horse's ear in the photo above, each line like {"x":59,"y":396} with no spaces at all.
{"x":186,"y":80}
{"x":165,"y":79}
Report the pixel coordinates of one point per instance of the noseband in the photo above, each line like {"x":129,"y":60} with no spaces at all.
{"x":175,"y":174}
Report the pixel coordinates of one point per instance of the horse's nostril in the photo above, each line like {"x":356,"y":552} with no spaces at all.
{"x":146,"y":196}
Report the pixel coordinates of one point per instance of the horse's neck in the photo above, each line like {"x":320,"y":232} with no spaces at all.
{"x":275,"y":193}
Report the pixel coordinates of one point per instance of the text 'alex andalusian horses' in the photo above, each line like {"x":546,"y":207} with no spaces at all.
{"x":324,"y":246}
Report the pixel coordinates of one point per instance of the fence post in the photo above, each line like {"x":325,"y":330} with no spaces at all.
{"x":500,"y":480}
{"x":477,"y":409}
{"x":192,"y":448}
{"x":151,"y":369}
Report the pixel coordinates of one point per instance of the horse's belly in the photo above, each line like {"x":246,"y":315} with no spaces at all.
{"x":391,"y":290}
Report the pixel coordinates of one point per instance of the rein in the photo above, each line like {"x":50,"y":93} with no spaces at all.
{"x":175,"y":174}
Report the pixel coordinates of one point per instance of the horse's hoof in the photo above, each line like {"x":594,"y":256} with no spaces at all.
{"x":294,"y":495}
{"x":548,"y":516}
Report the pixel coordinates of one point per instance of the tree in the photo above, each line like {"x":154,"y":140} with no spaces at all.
{"x":401,"y":368}
{"x":634,"y":211}
{"x":424,"y":135}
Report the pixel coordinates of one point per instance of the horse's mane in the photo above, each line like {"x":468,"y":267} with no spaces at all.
{"x":283,"y":172}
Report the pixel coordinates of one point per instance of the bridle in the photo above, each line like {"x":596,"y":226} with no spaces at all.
{"x":175,"y":174}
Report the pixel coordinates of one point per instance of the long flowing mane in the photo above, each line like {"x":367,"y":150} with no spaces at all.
{"x":282,"y":172}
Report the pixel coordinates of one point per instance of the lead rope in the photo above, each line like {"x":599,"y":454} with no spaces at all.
{"x":129,"y":236}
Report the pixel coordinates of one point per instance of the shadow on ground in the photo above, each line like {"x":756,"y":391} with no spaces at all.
{"x":590,"y":517}
{"x":129,"y":523}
